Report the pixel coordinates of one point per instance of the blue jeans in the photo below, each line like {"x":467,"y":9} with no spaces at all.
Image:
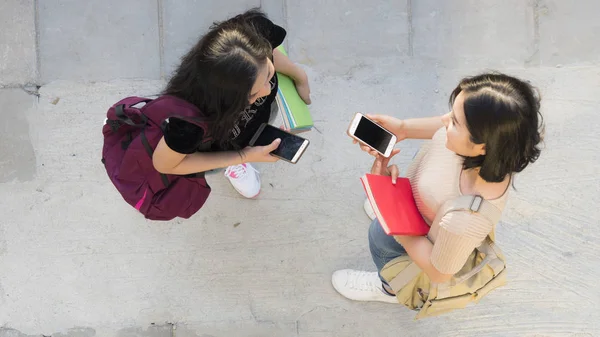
{"x":384,"y":248}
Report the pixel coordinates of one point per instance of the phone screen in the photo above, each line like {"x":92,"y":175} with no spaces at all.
{"x":290,"y":144}
{"x":373,"y":135}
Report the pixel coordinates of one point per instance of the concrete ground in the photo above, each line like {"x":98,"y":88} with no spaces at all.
{"x":76,"y":261}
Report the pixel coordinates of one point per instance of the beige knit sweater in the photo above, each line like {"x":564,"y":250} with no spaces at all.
{"x":435,"y":178}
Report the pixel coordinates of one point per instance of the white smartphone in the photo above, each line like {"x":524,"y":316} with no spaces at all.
{"x":291,"y":148}
{"x":372,"y":134}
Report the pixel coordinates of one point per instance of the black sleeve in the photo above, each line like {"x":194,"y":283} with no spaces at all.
{"x":183,"y":137}
{"x":273,"y":33}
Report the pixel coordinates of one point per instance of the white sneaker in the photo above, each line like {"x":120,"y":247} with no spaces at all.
{"x":360,"y":286}
{"x":369,"y":210}
{"x":245,"y":179}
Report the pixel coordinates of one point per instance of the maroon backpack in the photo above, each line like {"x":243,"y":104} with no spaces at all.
{"x":130,"y":136}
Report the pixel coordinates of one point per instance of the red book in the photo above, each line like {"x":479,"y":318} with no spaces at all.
{"x":394,"y":205}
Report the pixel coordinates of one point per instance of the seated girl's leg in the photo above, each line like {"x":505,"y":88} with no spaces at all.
{"x":383,"y":247}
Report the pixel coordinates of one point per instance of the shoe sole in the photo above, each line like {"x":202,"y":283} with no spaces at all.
{"x":252,"y":197}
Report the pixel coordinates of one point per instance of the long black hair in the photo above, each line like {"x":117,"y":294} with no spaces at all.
{"x":503,"y":113}
{"x":218,"y":73}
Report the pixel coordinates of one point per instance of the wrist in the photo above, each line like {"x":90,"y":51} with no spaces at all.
{"x":241,"y":157}
{"x":298,"y":75}
{"x":400,"y":130}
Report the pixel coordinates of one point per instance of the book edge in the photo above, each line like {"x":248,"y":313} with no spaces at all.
{"x":286,"y":108}
{"x":374,"y":206}
{"x":286,"y":122}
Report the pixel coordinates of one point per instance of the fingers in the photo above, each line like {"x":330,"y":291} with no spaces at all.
{"x":303,"y":90}
{"x":377,"y":167}
{"x":273,"y":146}
{"x":394,"y":172}
{"x":372,"y":151}
{"x":307,"y":99}
{"x":369,"y":150}
{"x":386,"y":160}
{"x":376,"y":118}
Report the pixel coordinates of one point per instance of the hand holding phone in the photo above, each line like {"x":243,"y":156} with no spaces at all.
{"x":290,"y":148}
{"x":373,"y":135}
{"x":261,"y":154}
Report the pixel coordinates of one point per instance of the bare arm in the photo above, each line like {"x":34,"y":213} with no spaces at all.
{"x":168,"y":161}
{"x":284,"y":65}
{"x":422,"y":128}
{"x":414,"y":128}
{"x":419,"y":249}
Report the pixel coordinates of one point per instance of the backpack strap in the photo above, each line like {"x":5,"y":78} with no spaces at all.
{"x":404,"y":277}
{"x":134,"y":100}
{"x":474,"y":204}
{"x":126,"y":104}
{"x":150,"y":152}
{"x":120,"y":113}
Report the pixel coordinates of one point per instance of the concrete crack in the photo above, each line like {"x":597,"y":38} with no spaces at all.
{"x":161,"y":38}
{"x":32,"y":89}
{"x":534,"y":59}
{"x":410,"y":27}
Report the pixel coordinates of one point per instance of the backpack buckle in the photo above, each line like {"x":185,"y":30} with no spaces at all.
{"x":476,"y":204}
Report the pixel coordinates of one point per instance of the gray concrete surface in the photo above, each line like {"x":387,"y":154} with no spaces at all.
{"x":563,"y":41}
{"x":184,"y":22}
{"x":18,"y":158}
{"x":98,"y":40}
{"x":18,"y":57}
{"x":76,"y":261}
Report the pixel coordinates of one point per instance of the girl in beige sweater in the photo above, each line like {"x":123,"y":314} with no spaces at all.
{"x":492,"y":131}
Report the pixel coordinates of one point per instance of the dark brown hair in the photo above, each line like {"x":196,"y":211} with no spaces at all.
{"x":503,"y":113}
{"x":218,"y":73}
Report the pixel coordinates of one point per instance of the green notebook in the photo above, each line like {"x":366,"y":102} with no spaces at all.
{"x":294,"y":111}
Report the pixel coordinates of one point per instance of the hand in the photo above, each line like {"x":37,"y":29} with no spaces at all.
{"x":302,"y":86}
{"x":261,"y":154}
{"x":380,"y":166}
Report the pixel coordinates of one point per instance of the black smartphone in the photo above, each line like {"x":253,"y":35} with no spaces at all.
{"x":291,"y":148}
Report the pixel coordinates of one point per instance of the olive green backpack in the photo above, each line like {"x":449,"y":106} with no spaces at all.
{"x":484,"y":270}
